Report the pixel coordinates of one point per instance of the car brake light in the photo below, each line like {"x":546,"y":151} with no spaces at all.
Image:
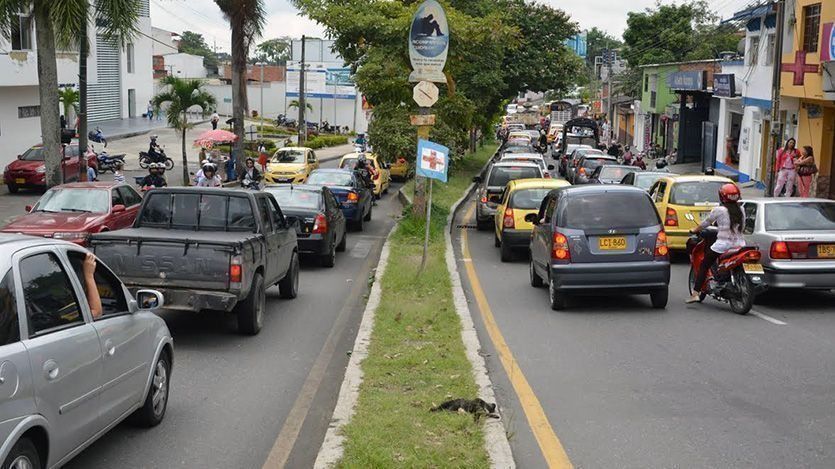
{"x":672,"y":218}
{"x":779,"y":250}
{"x":320,"y":225}
{"x":559,"y":248}
{"x":353,"y":197}
{"x":661,"y":248}
{"x":789,"y":250}
{"x":236,"y":270}
{"x":509,"y":222}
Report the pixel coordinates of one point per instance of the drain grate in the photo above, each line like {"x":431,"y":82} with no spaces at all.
{"x":467,"y":227}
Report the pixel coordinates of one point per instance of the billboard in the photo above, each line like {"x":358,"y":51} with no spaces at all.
{"x":321,"y":82}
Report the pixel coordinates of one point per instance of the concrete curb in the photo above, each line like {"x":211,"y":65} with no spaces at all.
{"x":332,"y":447}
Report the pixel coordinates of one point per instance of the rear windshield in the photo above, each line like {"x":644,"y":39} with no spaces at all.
{"x":800,"y":216}
{"x":330,"y":179}
{"x":501,"y":175}
{"x":696,"y":193}
{"x":646,"y":181}
{"x":528,"y":199}
{"x":350,"y":163}
{"x":201,"y":212}
{"x":614,"y":172}
{"x":288,"y":156}
{"x":593,"y":163}
{"x":608,"y":210}
{"x":297,"y":198}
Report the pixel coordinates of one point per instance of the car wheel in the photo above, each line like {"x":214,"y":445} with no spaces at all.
{"x":343,"y":245}
{"x":497,"y":242}
{"x":251,"y":310}
{"x":506,"y":253}
{"x":482,"y":225}
{"x":558,"y":299}
{"x":359,"y":222}
{"x":23,"y":455}
{"x":368,"y":216}
{"x":289,"y":285}
{"x":659,"y":298}
{"x":329,"y":259}
{"x":156,"y":402}
{"x":536,"y":280}
{"x":13,"y":188}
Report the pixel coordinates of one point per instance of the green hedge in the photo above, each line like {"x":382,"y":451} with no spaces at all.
{"x":323,"y":141}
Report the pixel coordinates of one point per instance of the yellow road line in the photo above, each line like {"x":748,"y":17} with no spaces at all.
{"x":549,"y":444}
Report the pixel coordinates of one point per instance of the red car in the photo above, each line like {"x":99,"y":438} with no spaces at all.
{"x":29,"y":170}
{"x":73,"y":211}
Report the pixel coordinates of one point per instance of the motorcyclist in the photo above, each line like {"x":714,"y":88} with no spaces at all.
{"x":729,"y":219}
{"x":360,"y":141}
{"x":365,"y":170}
{"x":543,"y":141}
{"x":639,"y":161}
{"x":154,"y":178}
{"x":250,"y":174}
{"x":209,"y":177}
{"x":154,"y":150}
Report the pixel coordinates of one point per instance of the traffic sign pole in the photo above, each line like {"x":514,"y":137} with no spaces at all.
{"x":428,"y":223}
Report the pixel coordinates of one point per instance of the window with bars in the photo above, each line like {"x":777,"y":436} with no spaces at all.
{"x":770,"y":45}
{"x":811,"y":27}
{"x":753,"y":55}
{"x":130,"y":58}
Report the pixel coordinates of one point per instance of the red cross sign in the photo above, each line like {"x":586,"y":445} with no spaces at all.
{"x":433,"y":159}
{"x":799,"y":68}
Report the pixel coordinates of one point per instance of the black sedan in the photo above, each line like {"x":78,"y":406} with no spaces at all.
{"x":321,"y":229}
{"x":355,"y":198}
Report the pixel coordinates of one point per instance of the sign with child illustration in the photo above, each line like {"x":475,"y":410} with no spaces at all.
{"x":429,"y":43}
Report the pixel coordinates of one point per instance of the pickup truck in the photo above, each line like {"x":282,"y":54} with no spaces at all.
{"x":207,"y":249}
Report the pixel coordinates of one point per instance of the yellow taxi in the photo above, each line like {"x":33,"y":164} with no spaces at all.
{"x":400,"y":170}
{"x":382,"y":178}
{"x":291,"y":165}
{"x":555,"y":130}
{"x":520,"y":197}
{"x":683,"y":202}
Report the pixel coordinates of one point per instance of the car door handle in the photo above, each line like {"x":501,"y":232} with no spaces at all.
{"x":109,"y":348}
{"x":50,"y":369}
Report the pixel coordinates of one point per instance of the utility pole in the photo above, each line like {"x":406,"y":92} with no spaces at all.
{"x":610,"y":107}
{"x":82,"y":101}
{"x":302,"y":121}
{"x":776,"y":126}
{"x":263,"y":114}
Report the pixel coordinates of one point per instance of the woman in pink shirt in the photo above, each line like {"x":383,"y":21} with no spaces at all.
{"x":786,"y":173}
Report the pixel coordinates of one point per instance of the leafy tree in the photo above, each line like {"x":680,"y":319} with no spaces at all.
{"x":69,"y":100}
{"x":247,"y":19}
{"x":597,"y":41}
{"x":180,"y":95}
{"x":295,"y":103}
{"x":194,"y":44}
{"x":58,"y":23}
{"x":273,"y":51}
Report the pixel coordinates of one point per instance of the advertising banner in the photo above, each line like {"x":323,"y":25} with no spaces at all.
{"x":429,"y":43}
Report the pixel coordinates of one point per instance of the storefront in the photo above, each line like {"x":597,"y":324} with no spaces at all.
{"x":694,"y":109}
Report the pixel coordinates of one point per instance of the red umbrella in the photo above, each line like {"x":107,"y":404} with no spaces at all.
{"x":211,"y":138}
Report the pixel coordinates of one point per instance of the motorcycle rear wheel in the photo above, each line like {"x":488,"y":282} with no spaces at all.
{"x":743,"y":301}
{"x":169,"y":164}
{"x":691,"y":284}
{"x":144,"y":161}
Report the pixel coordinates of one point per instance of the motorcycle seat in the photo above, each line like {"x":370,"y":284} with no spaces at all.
{"x":734,"y":252}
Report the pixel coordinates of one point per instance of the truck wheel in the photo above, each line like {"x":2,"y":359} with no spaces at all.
{"x":289,"y":285}
{"x":23,"y":454}
{"x":251,"y":310}
{"x":156,"y":402}
{"x":344,"y":243}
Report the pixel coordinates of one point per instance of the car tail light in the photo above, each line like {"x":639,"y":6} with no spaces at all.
{"x":779,"y":250}
{"x":672,"y":218}
{"x":509,"y":222}
{"x":236,"y":270}
{"x":353,"y":197}
{"x":661,"y":248}
{"x":559,"y":248}
{"x":484,"y":197}
{"x":789,"y":250}
{"x":320,"y":225}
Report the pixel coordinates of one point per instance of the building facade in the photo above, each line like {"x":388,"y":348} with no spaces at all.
{"x":656,"y":120}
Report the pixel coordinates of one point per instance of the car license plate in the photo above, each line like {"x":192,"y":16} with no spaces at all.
{"x":753,"y":268}
{"x":826,"y":251}
{"x":20,"y":181}
{"x":611,"y":243}
{"x":284,"y":180}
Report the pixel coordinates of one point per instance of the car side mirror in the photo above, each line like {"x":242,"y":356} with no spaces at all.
{"x":20,"y":157}
{"x":477,"y":179}
{"x":532,"y":218}
{"x":148,"y":300}
{"x":118,"y":208}
{"x":28,"y":208}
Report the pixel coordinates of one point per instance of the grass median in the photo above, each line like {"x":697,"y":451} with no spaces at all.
{"x":416,"y":357}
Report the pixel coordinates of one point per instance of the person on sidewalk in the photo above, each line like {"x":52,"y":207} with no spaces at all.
{"x":806,"y":170}
{"x":150,"y":111}
{"x":785,"y":168}
{"x":262,"y":157}
{"x":215,"y":120}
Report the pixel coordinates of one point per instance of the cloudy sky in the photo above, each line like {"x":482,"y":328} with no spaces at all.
{"x":202,"y":16}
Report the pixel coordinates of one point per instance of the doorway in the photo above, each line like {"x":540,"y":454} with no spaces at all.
{"x":131,"y":103}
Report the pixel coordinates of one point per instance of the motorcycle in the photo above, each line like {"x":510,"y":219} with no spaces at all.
{"x":145,"y":159}
{"x":97,"y":136}
{"x":736,"y":277}
{"x":250,"y":185}
{"x":284,"y":121}
{"x":107,"y":162}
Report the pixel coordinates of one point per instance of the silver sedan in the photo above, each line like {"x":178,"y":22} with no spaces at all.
{"x":796,"y":238}
{"x":78,"y":354}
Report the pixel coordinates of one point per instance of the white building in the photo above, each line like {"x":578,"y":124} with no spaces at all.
{"x":120,"y":80}
{"x":183,"y":65}
{"x":164,"y":42}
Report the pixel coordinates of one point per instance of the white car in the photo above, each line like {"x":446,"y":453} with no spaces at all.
{"x":547,"y":170}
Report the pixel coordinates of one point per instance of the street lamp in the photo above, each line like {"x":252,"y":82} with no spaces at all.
{"x":261,"y":128}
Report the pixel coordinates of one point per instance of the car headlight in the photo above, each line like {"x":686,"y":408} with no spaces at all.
{"x":41,"y":169}
{"x":72,"y":235}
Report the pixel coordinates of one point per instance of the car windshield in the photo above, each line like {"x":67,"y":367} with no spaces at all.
{"x":330,"y":178}
{"x":696,"y":193}
{"x":645,"y":181}
{"x":614,"y":172}
{"x":800,"y":216}
{"x":501,"y":175}
{"x":74,"y":200}
{"x":608,"y":210}
{"x":33,"y":154}
{"x":349,"y":163}
{"x":529,"y":199}
{"x":288,"y":156}
{"x":517,"y":149}
{"x":292,"y":198}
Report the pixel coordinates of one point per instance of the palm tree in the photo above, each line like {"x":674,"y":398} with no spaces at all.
{"x":247,"y":19}
{"x":182,"y":95}
{"x":295,"y":103}
{"x":59,"y":24}
{"x":69,"y":99}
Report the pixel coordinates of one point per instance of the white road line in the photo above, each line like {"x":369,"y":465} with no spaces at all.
{"x":768,"y":318}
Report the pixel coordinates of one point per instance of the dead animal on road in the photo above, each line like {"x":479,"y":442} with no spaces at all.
{"x":477,"y":407}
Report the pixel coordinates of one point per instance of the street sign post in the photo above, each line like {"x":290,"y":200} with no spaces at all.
{"x":432,"y":162}
{"x":429,"y":43}
{"x":425,"y":94}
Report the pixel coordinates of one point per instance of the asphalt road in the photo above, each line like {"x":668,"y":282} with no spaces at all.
{"x":232,"y":396}
{"x":623,"y":385}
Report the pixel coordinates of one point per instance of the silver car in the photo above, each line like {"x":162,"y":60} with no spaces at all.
{"x":796,"y":238}
{"x":65,"y":378}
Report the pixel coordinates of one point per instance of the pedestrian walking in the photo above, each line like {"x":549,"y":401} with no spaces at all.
{"x":806,"y":170}
{"x":215,"y":120}
{"x":786,"y":173}
{"x":150,"y":111}
{"x":262,"y":157}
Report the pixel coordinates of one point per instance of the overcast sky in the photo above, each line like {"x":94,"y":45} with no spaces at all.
{"x":203,"y":16}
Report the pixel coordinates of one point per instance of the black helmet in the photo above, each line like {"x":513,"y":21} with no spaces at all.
{"x":661,"y":163}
